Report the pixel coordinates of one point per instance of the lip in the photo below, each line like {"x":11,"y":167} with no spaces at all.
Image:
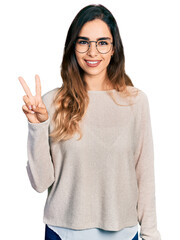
{"x":94,"y":64}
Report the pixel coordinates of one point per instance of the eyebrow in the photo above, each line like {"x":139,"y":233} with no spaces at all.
{"x":85,"y":38}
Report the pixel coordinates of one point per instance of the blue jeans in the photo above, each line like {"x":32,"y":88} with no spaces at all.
{"x":135,"y":237}
{"x":51,"y":235}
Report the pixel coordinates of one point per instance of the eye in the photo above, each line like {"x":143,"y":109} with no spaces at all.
{"x":83,"y":42}
{"x":102,"y":43}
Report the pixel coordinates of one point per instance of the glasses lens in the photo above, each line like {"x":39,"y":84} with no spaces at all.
{"x":82,"y":45}
{"x":103,"y":46}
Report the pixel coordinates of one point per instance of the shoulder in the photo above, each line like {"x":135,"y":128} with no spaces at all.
{"x":141,"y":107}
{"x":138,"y":95}
{"x":49,"y":96}
{"x":50,"y":93}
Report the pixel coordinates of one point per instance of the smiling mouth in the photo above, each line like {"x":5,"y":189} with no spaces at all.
{"x":91,"y":63}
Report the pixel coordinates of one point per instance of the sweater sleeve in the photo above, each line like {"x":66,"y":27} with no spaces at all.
{"x":39,"y":167}
{"x":146,"y":206}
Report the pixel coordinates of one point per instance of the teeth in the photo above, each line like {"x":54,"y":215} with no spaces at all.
{"x":91,"y":62}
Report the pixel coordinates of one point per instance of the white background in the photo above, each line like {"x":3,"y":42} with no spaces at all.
{"x":32,"y":41}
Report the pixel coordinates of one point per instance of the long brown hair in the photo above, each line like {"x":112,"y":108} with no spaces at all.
{"x":71,"y":100}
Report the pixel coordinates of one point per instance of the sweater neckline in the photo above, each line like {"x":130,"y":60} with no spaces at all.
{"x":101,"y":91}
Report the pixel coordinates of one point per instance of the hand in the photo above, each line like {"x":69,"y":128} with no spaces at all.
{"x":38,"y":113}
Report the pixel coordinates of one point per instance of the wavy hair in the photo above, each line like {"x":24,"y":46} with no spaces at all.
{"x":71,"y":100}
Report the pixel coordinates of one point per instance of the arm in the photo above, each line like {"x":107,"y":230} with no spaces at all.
{"x":39,"y":167}
{"x":144,"y":166}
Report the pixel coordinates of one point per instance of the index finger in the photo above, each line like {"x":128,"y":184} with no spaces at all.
{"x":25,"y":87}
{"x":38,"y":86}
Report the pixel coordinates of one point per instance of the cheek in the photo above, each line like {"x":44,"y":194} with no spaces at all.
{"x":79,"y":59}
{"x":107,"y":59}
{"x":79,"y":56}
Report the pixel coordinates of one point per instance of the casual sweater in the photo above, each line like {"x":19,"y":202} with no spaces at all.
{"x":105,"y":180}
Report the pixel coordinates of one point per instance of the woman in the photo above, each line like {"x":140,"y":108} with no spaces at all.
{"x":100,"y":185}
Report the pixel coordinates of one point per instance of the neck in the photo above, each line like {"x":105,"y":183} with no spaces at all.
{"x":97,"y":82}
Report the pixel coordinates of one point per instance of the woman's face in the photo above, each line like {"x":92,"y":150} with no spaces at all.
{"x":93,"y":30}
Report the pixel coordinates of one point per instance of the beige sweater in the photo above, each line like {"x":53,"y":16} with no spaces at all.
{"x":105,"y":180}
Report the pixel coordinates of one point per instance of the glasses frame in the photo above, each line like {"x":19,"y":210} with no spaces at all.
{"x":90,"y":45}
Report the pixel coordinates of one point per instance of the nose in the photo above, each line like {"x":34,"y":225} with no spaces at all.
{"x":92,"y":51}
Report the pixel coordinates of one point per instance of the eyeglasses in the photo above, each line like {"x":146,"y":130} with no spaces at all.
{"x":103,"y":46}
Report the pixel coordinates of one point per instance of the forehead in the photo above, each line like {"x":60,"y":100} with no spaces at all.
{"x":94,"y":29}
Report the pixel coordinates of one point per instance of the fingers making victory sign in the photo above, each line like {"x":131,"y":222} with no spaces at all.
{"x":34,"y":108}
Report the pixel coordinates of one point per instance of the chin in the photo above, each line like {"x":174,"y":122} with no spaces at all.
{"x":95,"y":72}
